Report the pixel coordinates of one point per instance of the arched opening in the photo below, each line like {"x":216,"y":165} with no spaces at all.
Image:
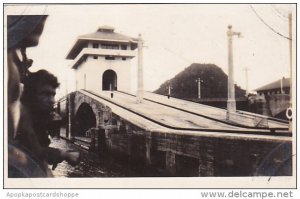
{"x":84,"y":120}
{"x":109,"y":80}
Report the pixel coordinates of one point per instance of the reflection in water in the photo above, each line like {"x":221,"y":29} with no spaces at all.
{"x":91,"y":165}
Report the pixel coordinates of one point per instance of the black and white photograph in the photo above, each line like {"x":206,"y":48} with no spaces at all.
{"x":136,"y":95}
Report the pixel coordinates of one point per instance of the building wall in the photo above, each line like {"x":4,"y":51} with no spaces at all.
{"x":89,"y":74}
{"x":93,"y":70}
{"x":273,"y":102}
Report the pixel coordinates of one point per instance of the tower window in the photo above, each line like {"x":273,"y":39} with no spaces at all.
{"x":95,"y":57}
{"x":95,"y":45}
{"x":110,"y":46}
{"x":124,"y":58}
{"x":109,"y":58}
{"x":123,"y":47}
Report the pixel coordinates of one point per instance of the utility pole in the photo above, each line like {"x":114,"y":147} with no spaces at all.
{"x":169,"y":90}
{"x":84,"y":81}
{"x":140,"y":86}
{"x":66,"y":89}
{"x":68,"y":100}
{"x":199,"y":87}
{"x":281,"y":85}
{"x":69,"y":117}
{"x":231,"y":103}
{"x":246,"y":69}
{"x":289,"y":111}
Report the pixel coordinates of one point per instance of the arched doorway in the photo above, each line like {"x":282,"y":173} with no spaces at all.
{"x":84,"y":119}
{"x":109,"y":80}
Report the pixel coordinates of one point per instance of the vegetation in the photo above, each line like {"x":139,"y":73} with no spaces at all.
{"x":184,"y":84}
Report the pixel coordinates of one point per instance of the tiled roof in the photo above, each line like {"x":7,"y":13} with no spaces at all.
{"x":275,"y":85}
{"x":104,"y":33}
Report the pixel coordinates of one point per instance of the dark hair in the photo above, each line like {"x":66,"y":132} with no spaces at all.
{"x":33,"y":80}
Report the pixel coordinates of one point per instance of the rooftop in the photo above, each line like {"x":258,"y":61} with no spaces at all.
{"x":106,"y":28}
{"x":103,"y":33}
{"x":275,"y":85}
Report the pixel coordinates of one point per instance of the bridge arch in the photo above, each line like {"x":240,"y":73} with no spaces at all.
{"x":109,"y":80}
{"x":85,"y":119}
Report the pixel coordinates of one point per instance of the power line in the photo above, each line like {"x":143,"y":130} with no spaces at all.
{"x":261,"y":19}
{"x":278,"y":13}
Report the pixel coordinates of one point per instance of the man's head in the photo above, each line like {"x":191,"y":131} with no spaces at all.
{"x":22,"y":31}
{"x":39,"y":91}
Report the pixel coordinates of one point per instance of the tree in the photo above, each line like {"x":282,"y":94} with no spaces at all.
{"x":214,"y":83}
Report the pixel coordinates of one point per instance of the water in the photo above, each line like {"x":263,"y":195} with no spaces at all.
{"x":91,"y":165}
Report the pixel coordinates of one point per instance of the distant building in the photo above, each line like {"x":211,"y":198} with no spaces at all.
{"x":274,"y":98}
{"x":281,"y":86}
{"x":102,"y":60}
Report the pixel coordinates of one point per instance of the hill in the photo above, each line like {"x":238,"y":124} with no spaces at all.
{"x":214,"y":83}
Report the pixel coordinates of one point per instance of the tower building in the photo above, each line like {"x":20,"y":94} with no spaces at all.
{"x":102,"y":60}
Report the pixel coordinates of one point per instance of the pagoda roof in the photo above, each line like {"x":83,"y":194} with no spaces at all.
{"x":104,"y":33}
{"x":275,"y":85}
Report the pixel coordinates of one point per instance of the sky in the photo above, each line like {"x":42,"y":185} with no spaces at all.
{"x":175,"y":36}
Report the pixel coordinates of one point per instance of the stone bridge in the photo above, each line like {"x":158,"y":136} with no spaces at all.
{"x":175,"y":140}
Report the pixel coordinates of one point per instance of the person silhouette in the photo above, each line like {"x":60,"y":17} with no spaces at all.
{"x":27,"y":157}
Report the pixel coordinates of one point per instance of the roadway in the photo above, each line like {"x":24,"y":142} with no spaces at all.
{"x":157,"y":112}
